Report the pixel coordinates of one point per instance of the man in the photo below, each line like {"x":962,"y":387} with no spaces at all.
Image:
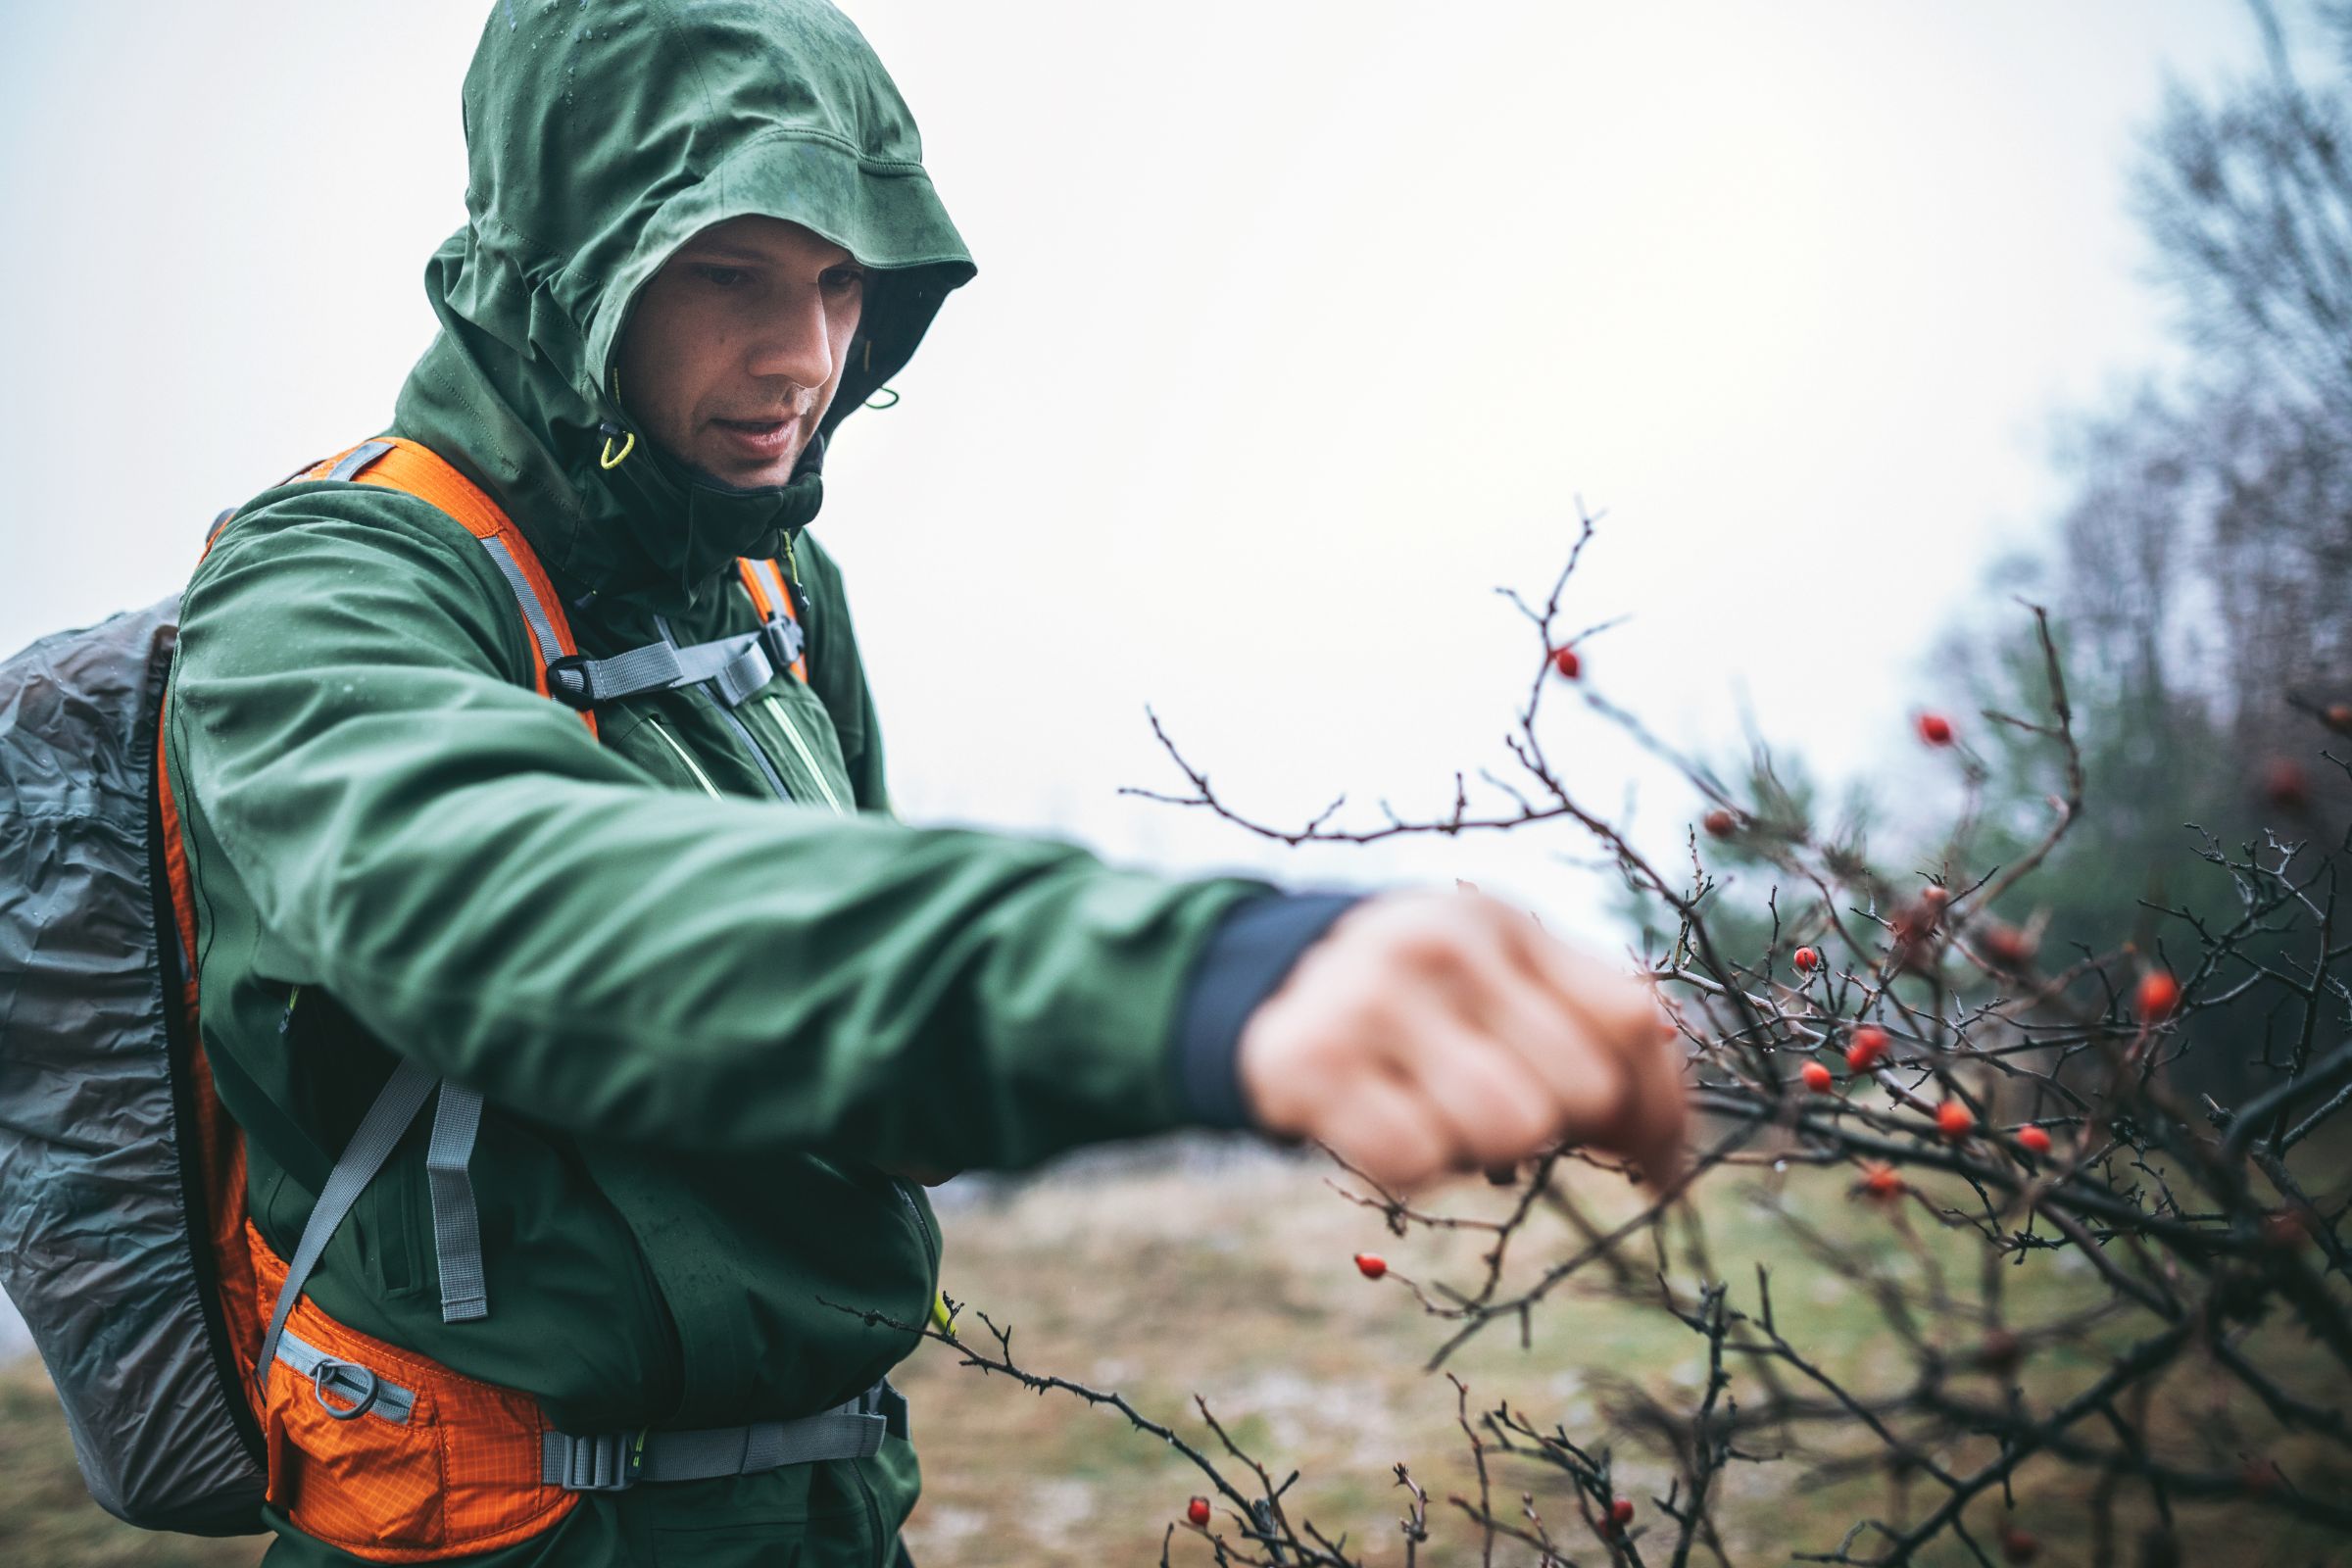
{"x":719,"y":1004}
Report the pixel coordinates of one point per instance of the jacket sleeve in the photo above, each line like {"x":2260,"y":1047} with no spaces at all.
{"x":455,"y":859}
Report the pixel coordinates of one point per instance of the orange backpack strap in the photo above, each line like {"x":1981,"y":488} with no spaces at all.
{"x":764,"y":580}
{"x":406,"y":466}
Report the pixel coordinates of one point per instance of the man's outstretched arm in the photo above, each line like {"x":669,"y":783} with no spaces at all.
{"x":456,"y":859}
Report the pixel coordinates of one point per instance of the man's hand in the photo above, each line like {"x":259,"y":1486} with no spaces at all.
{"x":1429,"y":1032}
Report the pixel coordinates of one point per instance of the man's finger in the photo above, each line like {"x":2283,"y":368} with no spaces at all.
{"x":1658,"y":1118}
{"x":1493,"y":1106}
{"x":1625,"y":1012}
{"x":1379,"y":1126}
{"x":1527,"y":1017}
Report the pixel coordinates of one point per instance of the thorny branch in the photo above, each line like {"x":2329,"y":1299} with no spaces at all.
{"x":2068,"y":1140}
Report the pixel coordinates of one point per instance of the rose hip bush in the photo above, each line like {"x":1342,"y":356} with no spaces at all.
{"x":1900,"y":1036}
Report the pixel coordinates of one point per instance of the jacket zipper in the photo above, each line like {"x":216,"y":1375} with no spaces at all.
{"x":768,"y":769}
{"x":883,"y":1549}
{"x":691,"y":766}
{"x":775,"y":710}
{"x":873,"y":1504}
{"x":898,"y":1183}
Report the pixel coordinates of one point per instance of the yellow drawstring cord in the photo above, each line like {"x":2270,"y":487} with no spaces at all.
{"x":613,"y":460}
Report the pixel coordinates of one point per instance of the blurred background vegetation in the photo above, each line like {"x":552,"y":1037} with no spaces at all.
{"x":2199,"y":580}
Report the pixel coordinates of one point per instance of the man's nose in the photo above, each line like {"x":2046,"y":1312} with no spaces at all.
{"x":794,"y":341}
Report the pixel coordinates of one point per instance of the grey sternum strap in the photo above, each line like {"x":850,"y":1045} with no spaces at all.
{"x":614,"y":1461}
{"x":736,"y":665}
{"x":394,"y":1108}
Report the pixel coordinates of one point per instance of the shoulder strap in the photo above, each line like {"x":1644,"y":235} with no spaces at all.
{"x":379,"y":1132}
{"x":764,"y":580}
{"x":397,"y":463}
{"x":416,"y":469}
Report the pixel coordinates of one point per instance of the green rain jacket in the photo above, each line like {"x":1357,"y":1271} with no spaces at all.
{"x":705,"y":1018}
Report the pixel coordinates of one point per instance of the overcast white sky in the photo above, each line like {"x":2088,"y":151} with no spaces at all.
{"x":1298,"y":328}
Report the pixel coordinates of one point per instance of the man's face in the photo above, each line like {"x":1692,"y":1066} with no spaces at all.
{"x":734,"y":348}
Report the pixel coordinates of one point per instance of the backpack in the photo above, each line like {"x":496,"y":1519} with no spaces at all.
{"x":124,"y":1240}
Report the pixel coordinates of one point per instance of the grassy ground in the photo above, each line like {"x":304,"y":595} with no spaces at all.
{"x":1232,"y":1279}
{"x":1239,"y":1286}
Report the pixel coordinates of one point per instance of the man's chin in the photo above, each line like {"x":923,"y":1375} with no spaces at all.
{"x":745,"y":477}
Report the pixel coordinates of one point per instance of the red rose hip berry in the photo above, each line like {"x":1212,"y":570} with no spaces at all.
{"x":1564,"y":660}
{"x":1371,"y":1265}
{"x":1881,"y":1182}
{"x":1954,"y":1120}
{"x":2000,"y":1352}
{"x":1867,"y":1048}
{"x":1197,"y":1511}
{"x":1817,"y":1077}
{"x":2008,"y":947}
{"x":2284,"y":1230}
{"x":1720,"y":823}
{"x":1621,"y":1512}
{"x":2032,"y":1140}
{"x":2157,"y":995}
{"x":1936,"y":729}
{"x":1807,"y":960}
{"x":2286,"y":785}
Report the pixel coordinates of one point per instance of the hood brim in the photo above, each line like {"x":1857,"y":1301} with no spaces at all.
{"x":885,"y":213}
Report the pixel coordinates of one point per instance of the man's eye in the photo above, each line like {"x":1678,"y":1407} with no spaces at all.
{"x":845,"y":277}
{"x":723,"y":277}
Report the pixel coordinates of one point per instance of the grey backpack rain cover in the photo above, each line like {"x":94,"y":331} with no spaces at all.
{"x":102,"y":1209}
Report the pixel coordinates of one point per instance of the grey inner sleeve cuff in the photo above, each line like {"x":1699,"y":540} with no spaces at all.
{"x":1247,"y":956}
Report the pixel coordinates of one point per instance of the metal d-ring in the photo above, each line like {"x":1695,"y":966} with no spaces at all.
{"x":326,"y":1369}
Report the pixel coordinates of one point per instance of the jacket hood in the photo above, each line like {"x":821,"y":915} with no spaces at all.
{"x":601,"y":135}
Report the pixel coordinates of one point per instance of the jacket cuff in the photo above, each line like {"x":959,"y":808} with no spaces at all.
{"x":1247,"y":956}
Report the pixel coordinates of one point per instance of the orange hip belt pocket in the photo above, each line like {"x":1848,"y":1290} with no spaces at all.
{"x":391,"y":1456}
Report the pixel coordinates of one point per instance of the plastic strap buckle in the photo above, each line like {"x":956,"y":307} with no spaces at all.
{"x":890,"y":1406}
{"x":782,"y":638}
{"x":570,"y":683}
{"x":603,"y":1461}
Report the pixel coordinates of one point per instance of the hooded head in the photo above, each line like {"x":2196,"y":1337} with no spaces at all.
{"x":601,"y":136}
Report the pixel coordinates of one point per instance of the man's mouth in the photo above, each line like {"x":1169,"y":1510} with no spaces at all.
{"x":757,"y":438}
